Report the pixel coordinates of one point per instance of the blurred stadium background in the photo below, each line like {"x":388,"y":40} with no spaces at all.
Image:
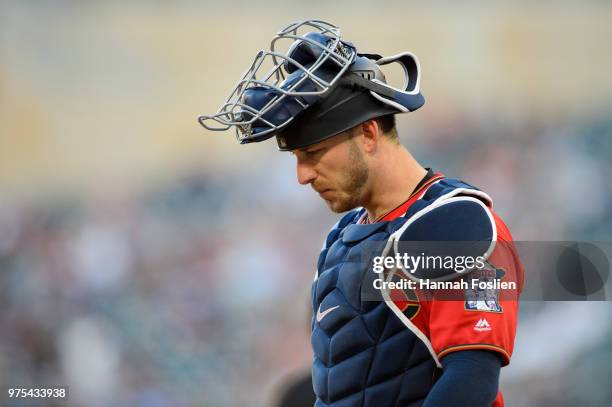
{"x":146,"y":262}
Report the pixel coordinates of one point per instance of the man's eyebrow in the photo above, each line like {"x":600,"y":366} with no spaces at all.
{"x":307,"y":148}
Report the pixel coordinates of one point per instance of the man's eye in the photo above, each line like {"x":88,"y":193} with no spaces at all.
{"x":312,"y":152}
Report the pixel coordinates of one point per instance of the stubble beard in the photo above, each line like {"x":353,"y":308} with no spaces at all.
{"x":352,"y":189}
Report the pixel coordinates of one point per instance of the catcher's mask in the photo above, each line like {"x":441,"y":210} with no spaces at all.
{"x":319,"y":87}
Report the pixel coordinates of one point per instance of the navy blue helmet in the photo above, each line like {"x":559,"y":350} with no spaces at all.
{"x":318,"y":87}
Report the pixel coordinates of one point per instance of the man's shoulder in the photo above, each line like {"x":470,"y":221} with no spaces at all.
{"x":459,"y":206}
{"x":451,"y":187}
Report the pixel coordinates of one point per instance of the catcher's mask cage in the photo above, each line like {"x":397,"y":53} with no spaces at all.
{"x":321,"y":73}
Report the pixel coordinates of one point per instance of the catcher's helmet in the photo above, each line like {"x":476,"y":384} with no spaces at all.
{"x":318,"y":88}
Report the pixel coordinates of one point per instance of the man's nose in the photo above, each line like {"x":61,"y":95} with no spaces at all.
{"x":305,"y":173}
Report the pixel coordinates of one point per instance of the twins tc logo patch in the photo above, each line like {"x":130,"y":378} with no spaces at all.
{"x":478,"y":297}
{"x":405,"y":299}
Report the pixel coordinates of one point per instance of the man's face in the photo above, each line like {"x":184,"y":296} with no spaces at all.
{"x":336,"y":169}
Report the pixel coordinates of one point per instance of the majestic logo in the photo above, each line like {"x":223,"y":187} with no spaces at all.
{"x":321,"y":315}
{"x":482,"y":325}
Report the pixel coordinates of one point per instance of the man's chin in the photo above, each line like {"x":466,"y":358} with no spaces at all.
{"x":339,"y":206}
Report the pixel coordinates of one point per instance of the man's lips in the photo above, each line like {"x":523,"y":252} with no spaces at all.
{"x":325,"y":192}
{"x":318,"y":189}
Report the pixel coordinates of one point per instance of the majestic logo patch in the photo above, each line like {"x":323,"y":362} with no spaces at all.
{"x":479,"y":299}
{"x":482,"y":325}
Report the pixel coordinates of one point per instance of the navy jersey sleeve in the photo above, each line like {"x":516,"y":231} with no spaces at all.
{"x":469,"y":378}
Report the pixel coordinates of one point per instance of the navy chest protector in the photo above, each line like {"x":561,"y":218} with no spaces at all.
{"x":367,"y":352}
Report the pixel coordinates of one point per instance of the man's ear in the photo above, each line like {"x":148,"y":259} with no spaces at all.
{"x":371,"y":135}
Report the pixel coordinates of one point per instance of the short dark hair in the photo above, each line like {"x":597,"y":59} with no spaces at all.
{"x":388,"y":126}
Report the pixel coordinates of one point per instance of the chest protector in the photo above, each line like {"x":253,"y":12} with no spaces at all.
{"x":365,"y":353}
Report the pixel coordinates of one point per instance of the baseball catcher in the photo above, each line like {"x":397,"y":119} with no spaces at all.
{"x":416,"y":331}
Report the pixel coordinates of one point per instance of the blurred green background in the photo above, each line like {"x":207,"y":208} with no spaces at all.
{"x":147,"y":262}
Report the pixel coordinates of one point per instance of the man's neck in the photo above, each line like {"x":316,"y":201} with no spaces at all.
{"x":395,"y":179}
